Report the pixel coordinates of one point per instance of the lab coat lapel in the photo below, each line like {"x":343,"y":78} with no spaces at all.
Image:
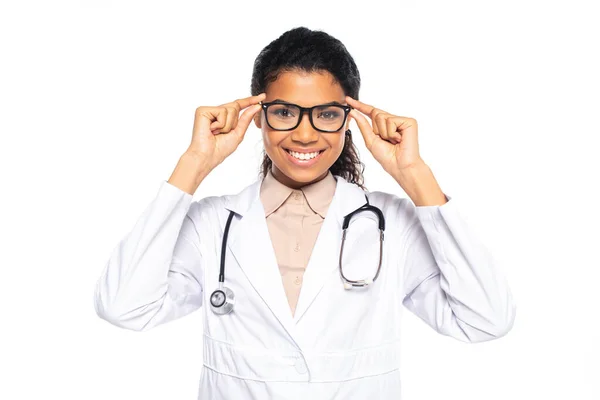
{"x":324,"y":259}
{"x":251,"y":245}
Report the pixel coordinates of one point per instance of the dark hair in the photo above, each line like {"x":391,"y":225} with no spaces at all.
{"x":302,"y":49}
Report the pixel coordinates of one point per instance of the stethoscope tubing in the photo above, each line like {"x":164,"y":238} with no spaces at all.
{"x":222,"y":299}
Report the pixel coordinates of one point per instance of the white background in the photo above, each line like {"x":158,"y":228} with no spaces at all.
{"x":97,"y":101}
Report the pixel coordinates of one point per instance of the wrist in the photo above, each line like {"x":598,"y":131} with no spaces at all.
{"x":411,"y":172}
{"x":198,"y":162}
{"x":190,"y":171}
{"x":420,"y":185}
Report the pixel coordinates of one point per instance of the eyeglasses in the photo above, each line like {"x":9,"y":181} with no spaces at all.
{"x":287,"y":116}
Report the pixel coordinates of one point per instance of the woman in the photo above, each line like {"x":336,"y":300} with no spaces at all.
{"x":281,"y":320}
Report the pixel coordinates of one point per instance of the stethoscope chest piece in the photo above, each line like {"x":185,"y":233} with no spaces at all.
{"x":222,"y":300}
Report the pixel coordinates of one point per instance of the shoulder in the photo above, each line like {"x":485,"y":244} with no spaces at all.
{"x":401,"y":216}
{"x":394,"y":207}
{"x":216,"y":207}
{"x":202,"y":207}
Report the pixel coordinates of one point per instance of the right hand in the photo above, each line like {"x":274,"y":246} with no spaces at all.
{"x":219,"y":130}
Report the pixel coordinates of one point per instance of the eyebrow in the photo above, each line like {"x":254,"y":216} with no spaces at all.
{"x":324,"y":104}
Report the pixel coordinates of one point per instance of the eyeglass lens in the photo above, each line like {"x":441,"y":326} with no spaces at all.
{"x":326,"y":118}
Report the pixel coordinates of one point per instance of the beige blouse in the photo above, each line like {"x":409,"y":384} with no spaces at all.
{"x":294,"y":218}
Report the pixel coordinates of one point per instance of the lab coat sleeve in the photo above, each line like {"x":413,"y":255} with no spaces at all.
{"x":154,"y":275}
{"x":451,"y":281}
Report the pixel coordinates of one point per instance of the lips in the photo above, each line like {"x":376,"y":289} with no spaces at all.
{"x":303,"y":163}
{"x":304,"y":155}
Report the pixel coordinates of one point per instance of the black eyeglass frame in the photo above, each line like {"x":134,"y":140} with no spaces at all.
{"x":308,"y":110}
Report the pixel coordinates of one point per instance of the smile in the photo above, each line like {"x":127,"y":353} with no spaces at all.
{"x":304,"y":160}
{"x":304,"y":156}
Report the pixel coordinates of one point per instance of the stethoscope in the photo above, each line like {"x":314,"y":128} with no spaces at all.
{"x":222,"y":299}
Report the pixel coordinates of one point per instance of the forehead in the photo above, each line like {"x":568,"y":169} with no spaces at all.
{"x":305,"y":89}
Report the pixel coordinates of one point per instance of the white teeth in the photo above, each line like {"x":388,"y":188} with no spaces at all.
{"x":303,"y":156}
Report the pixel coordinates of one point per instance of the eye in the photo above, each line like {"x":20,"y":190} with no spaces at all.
{"x":284,"y":112}
{"x":281,"y":111}
{"x":329,"y":115}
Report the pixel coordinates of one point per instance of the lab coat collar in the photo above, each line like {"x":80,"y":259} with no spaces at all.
{"x":250,"y":243}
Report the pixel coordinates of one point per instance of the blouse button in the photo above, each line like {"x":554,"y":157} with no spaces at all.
{"x":300,"y":366}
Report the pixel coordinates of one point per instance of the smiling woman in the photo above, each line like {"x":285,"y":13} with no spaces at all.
{"x":318,"y":293}
{"x":299,"y":153}
{"x":288,"y":72}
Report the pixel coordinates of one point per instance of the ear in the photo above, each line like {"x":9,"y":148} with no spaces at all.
{"x":257,"y":120}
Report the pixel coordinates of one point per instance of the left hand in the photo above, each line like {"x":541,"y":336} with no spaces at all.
{"x":392,"y":139}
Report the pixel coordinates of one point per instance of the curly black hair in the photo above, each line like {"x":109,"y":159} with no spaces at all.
{"x":302,"y":49}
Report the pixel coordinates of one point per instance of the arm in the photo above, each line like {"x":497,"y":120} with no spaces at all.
{"x":154,"y":275}
{"x":451,"y":281}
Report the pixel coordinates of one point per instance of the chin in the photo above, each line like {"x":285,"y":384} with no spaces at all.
{"x":299,"y":175}
{"x":303,"y":176}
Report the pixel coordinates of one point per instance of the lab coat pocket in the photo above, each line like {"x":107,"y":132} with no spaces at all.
{"x":362,"y":308}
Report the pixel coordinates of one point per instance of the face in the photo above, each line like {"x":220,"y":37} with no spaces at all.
{"x":306,"y":90}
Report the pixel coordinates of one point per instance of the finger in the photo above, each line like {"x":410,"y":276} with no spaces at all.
{"x":376,"y":115}
{"x":248,"y":101}
{"x":365,"y":128}
{"x":212,"y":115}
{"x":202,"y":123}
{"x":245,"y":120}
{"x":231,"y":121}
{"x":219,"y":120}
{"x":404,"y":124}
{"x":392,"y":131}
{"x":360,"y":106}
{"x":379,"y":121}
{"x":375,"y":127}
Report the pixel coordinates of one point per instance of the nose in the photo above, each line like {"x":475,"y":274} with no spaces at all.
{"x":304,"y":132}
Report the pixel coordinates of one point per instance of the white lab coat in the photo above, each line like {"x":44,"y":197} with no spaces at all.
{"x":340,"y":344}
